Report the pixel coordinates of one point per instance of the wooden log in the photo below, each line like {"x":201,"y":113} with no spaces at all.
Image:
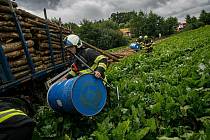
{"x":38,"y":63}
{"x":4,"y":9}
{"x":58,"y":56}
{"x":45,"y":45}
{"x":8,"y":35}
{"x":21,"y":74}
{"x":52,"y":35}
{"x":19,"y":69}
{"x":41,"y":36}
{"x":39,"y":68}
{"x":37,"y":30}
{"x":16,"y":46}
{"x":47,"y":52}
{"x":53,"y":42}
{"x":46,"y":61}
{"x":50,"y":24}
{"x":7,"y":23}
{"x":36,"y":59}
{"x":12,"y":24}
{"x":12,"y":29}
{"x":48,"y":65}
{"x":31,"y":21}
{"x":54,"y":31}
{"x":55,"y":35}
{"x":23,"y":61}
{"x":18,"y":53}
{"x":18,"y":63}
{"x":45,"y":58}
{"x":23,"y":13}
{"x":13,"y":35}
{"x":25,"y":67}
{"x":101,"y":51}
{"x":39,"y":19}
{"x":58,"y":59}
{"x":5,"y":3}
{"x":59,"y":62}
{"x":53,"y":27}
{"x":27,"y":25}
{"x":7,"y":17}
{"x":9,"y":41}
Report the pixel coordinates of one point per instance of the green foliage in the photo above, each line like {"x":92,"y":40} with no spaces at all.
{"x":204,"y":17}
{"x":123,"y":17}
{"x":104,"y":34}
{"x":46,"y":127}
{"x":193,"y":23}
{"x":164,"y":95}
{"x":151,"y":24}
{"x":168,"y":87}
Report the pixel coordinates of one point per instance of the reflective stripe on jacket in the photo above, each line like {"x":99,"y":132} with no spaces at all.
{"x":11,"y":114}
{"x":93,"y":59}
{"x":7,"y":114}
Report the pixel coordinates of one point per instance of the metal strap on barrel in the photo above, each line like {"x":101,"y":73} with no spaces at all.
{"x":61,"y":41}
{"x":22,"y":38}
{"x":49,"y":38}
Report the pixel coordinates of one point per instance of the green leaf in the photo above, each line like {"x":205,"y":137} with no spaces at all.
{"x":121,"y":129}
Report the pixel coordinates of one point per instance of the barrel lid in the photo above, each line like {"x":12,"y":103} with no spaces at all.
{"x":88,"y":95}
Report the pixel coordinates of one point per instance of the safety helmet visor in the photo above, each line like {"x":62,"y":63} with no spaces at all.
{"x":67,"y":43}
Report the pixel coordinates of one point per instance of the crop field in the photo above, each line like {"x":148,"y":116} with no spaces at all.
{"x":164,"y":95}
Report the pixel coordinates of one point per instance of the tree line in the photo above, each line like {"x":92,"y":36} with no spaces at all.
{"x":105,"y":34}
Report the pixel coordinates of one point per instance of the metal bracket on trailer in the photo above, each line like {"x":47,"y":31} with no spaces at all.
{"x":7,"y":73}
{"x":49,"y":38}
{"x":61,"y":40}
{"x":22,"y":38}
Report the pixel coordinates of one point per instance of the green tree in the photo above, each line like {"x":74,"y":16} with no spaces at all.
{"x":171,"y":24}
{"x":204,"y":17}
{"x":123,"y":17}
{"x":151,"y":26}
{"x":193,"y":23}
{"x":137,"y":24}
{"x":188,"y":19}
{"x":103,"y":34}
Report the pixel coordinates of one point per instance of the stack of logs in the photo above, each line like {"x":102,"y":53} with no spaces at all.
{"x":35,"y":33}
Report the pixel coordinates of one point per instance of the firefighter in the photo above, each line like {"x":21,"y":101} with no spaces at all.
{"x":14,"y":123}
{"x":146,"y":40}
{"x":92,"y":58}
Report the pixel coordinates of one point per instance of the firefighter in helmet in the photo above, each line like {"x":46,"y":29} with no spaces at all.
{"x":92,"y":58}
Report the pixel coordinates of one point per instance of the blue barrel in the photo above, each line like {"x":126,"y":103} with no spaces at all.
{"x":86,"y":94}
{"x":135,"y":46}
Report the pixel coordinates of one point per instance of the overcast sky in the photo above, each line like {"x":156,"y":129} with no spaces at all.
{"x":77,"y":10}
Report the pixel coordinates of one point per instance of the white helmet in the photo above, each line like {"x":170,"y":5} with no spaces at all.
{"x":140,"y":37}
{"x":72,"y":40}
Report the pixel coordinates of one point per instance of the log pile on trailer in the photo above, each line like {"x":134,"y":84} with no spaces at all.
{"x":31,"y":46}
{"x":35,"y":33}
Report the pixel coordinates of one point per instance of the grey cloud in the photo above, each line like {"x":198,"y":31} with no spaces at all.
{"x":76,"y":10}
{"x":38,"y":4}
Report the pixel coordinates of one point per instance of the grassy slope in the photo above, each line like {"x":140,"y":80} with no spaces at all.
{"x":163,"y":94}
